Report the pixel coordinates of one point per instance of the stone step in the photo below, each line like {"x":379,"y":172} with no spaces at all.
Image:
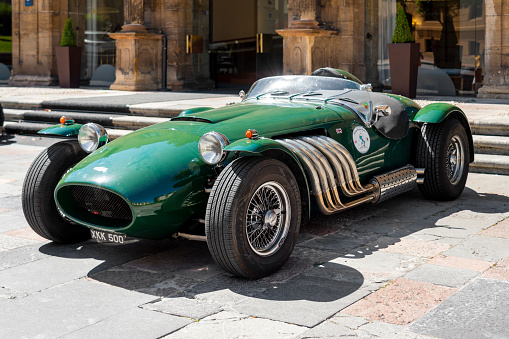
{"x":489,"y":144}
{"x":106,"y":119}
{"x":31,"y":128}
{"x":490,"y":164}
{"x":490,"y":126}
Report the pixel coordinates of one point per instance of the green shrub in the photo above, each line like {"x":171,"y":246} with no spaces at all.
{"x":68,"y":38}
{"x":402,"y":31}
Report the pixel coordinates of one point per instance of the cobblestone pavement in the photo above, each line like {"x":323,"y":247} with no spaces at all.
{"x":407,"y":268}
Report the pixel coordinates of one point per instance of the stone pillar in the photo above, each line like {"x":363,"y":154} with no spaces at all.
{"x":134,"y":16}
{"x":496,"y":54}
{"x":138,"y":61}
{"x":36,"y":31}
{"x":337,"y":41}
{"x":138,"y":52}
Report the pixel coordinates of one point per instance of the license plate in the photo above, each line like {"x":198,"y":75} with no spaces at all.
{"x":108,"y":236}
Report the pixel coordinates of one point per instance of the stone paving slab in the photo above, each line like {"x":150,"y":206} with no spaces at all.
{"x":480,"y":310}
{"x":500,"y":230}
{"x":481,"y":248}
{"x":148,"y":325}
{"x":65,"y":308}
{"x":298,"y":301}
{"x":499,"y":272}
{"x":86,"y":258}
{"x":343,"y":325}
{"x":469,"y":264}
{"x":442,"y":275}
{"x":185,"y":307}
{"x":401,"y":302}
{"x":236,"y":325}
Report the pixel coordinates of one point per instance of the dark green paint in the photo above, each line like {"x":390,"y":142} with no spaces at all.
{"x":62,"y":130}
{"x":436,"y":113}
{"x":193,"y":111}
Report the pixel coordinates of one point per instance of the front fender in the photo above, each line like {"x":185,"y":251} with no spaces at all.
{"x":272,"y":148}
{"x":436,"y":113}
{"x":62,"y":130}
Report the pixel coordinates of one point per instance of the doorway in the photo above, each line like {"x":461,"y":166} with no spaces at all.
{"x":244,"y":43}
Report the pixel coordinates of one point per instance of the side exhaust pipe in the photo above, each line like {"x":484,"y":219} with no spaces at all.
{"x":334,"y":176}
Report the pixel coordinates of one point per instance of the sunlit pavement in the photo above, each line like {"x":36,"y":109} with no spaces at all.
{"x":407,"y":268}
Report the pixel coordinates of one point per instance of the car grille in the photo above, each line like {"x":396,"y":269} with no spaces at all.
{"x":100,"y":207}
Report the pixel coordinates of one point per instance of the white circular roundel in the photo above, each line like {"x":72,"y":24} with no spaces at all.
{"x":361,"y":139}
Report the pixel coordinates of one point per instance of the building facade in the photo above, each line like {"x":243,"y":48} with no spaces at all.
{"x":228,"y":43}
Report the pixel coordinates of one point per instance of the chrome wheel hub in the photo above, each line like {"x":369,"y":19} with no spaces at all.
{"x":454,"y":161}
{"x":268,"y":218}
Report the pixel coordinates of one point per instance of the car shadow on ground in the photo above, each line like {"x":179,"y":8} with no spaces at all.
{"x":183,"y":268}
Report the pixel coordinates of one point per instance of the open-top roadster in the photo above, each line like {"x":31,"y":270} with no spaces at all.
{"x":244,"y":176}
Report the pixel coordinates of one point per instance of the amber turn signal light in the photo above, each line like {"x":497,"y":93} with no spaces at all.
{"x":62,"y":120}
{"x":252,"y":134}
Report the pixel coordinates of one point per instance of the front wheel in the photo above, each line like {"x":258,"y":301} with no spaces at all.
{"x":37,"y":199}
{"x":253,"y":217}
{"x":443,"y":151}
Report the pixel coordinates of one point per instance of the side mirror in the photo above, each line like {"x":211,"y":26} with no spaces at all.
{"x":242,"y":95}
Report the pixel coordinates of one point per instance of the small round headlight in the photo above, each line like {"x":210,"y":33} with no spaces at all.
{"x":92,"y":136}
{"x":211,"y":147}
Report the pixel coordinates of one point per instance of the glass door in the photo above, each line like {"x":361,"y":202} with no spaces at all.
{"x":102,"y":17}
{"x":245,"y":45}
{"x":272,"y":15}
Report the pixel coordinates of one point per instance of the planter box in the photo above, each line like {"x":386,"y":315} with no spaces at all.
{"x":404,"y":62}
{"x":69,"y":66}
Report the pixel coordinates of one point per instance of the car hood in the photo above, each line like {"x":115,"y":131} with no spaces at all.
{"x":142,"y":166}
{"x":268,"y":118}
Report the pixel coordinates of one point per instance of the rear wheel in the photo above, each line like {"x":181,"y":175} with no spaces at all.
{"x":443,"y":151}
{"x":253,"y":217}
{"x":37,"y":198}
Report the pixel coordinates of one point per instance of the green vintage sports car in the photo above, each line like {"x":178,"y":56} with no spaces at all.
{"x":244,"y":177}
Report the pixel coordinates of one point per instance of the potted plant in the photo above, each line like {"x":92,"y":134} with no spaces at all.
{"x":68,"y":58}
{"x":403,"y":57}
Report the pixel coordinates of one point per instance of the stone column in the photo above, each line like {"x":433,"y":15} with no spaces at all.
{"x":36,"y":31}
{"x":138,"y":52}
{"x":337,"y":42}
{"x":496,"y":52}
{"x":134,"y":16}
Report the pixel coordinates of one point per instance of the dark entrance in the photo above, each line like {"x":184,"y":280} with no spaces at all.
{"x":244,"y":43}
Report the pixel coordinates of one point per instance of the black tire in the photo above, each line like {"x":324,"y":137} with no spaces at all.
{"x":226,"y":221}
{"x":2,"y":117}
{"x":443,"y":151}
{"x":37,"y":198}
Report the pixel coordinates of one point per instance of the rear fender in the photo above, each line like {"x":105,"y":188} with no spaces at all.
{"x":62,"y":130}
{"x":273,"y":149}
{"x":438,"y":112}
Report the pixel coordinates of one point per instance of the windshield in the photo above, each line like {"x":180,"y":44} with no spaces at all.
{"x":297,"y":84}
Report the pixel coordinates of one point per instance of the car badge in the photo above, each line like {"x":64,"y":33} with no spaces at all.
{"x":366,"y":105}
{"x":361,"y":139}
{"x":339,"y":131}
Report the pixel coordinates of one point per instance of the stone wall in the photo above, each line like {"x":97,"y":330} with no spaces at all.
{"x":37,"y":30}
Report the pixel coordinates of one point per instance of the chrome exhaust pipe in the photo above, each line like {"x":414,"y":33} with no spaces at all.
{"x":330,"y":165}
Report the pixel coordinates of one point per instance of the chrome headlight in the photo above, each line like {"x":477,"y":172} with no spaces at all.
{"x":92,"y":136}
{"x":211,"y":147}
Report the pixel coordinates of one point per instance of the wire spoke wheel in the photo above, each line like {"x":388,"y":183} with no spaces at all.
{"x":454,"y":161}
{"x":253,"y":216}
{"x":268,"y":218}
